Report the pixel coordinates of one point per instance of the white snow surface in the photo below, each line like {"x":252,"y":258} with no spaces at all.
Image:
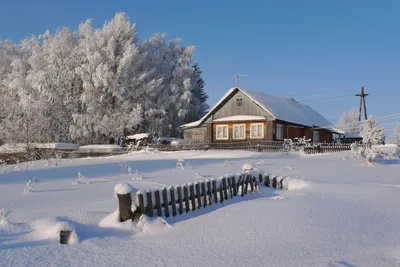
{"x":240,"y":118}
{"x":100,"y":148}
{"x":137,"y":136}
{"x":336,"y":213}
{"x":20,"y":147}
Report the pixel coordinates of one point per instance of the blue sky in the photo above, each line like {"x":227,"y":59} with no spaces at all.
{"x":290,"y":48}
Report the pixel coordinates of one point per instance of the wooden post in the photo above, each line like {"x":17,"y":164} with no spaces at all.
{"x":203,"y":189}
{"x":242,"y":186}
{"x":274,"y":182}
{"x":140,"y":199}
{"x":230,"y":187}
{"x":166,"y":203}
{"x":214,"y":182}
{"x":158,"y":203}
{"x":65,"y":236}
{"x":224,"y":188}
{"x":246,"y":184}
{"x":192,"y":197}
{"x":266,"y":182}
{"x":198,"y":194}
{"x":209,"y":192}
{"x":173,"y":202}
{"x":186,"y":194}
{"x":221,"y":194}
{"x":251,"y":184}
{"x":124,"y":202}
{"x":180,"y":199}
{"x":234,"y":186}
{"x":150,"y":207}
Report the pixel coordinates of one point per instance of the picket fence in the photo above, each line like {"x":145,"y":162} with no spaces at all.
{"x":175,"y":200}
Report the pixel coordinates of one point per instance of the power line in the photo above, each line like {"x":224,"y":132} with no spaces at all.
{"x":324,"y":98}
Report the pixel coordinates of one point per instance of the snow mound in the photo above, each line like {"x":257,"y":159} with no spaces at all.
{"x":123,"y":189}
{"x":49,"y":228}
{"x":294,"y":183}
{"x":100,"y":148}
{"x":147,"y":224}
{"x":247,"y":167}
{"x":112,"y":221}
{"x":137,"y":136}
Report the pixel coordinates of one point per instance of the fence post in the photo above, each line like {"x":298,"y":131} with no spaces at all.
{"x":224,"y":188}
{"x":173,"y":201}
{"x":203,"y":189}
{"x":274,"y":181}
{"x":166,"y":204}
{"x":198,"y":192}
{"x":234,"y":186}
{"x":140,"y":199}
{"x":180,"y":200}
{"x":158,"y":202}
{"x":214,"y":182}
{"x":192,"y":197}
{"x":209,"y":192}
{"x":150,"y":203}
{"x":230,"y":187}
{"x":186,"y":193}
{"x":123,"y":192}
{"x":65,"y":236}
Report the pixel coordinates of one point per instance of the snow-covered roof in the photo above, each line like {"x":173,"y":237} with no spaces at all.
{"x":137,"y":136}
{"x":240,"y":118}
{"x":286,"y":109}
{"x":279,"y":107}
{"x":192,"y":124}
{"x":333,"y":129}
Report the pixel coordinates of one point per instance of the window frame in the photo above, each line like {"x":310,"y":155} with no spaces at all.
{"x":233,"y":131}
{"x":315,"y":134}
{"x":241,"y":101}
{"x":251,"y":131}
{"x":227,"y":131}
{"x":281,"y":127}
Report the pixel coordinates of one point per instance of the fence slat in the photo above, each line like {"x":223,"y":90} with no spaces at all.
{"x":141,"y":203}
{"x":204,"y":192}
{"x":209,"y":192}
{"x":214,"y":182}
{"x":166,"y":204}
{"x":149,"y":196}
{"x":221,"y":193}
{"x":198,"y":194}
{"x":230,"y":187}
{"x":266,"y":180}
{"x":234,"y":186}
{"x":192,"y":197}
{"x":180,"y":199}
{"x":158,"y":203}
{"x":252,"y":184}
{"x":173,"y":202}
{"x":242,"y":186}
{"x":224,"y":188}
{"x":246,"y":184}
{"x":274,"y":182}
{"x":186,"y":193}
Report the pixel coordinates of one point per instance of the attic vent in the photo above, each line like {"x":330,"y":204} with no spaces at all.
{"x":239,"y":101}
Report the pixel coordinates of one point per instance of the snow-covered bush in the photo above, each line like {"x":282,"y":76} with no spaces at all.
{"x":30,"y":185}
{"x":137,"y":176}
{"x":182,"y":164}
{"x":396,"y":152}
{"x":298,"y":145}
{"x":81,"y":179}
{"x":288,"y":146}
{"x":247,"y":167}
{"x":259,"y":163}
{"x":226,"y":163}
{"x":3,"y":216}
{"x":372,"y":136}
{"x":396,"y":137}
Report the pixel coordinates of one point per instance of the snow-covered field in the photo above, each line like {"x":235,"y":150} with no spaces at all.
{"x":347,"y":215}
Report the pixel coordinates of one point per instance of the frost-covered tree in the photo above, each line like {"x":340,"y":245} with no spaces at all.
{"x":94,"y":85}
{"x":372,"y":136}
{"x":349,"y":121}
{"x":396,"y":136}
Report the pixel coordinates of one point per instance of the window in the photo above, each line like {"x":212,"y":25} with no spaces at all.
{"x":315,"y":137}
{"x":257,"y":130}
{"x":279,"y":131}
{"x":222,"y":132}
{"x":239,"y":131}
{"x":239,"y":101}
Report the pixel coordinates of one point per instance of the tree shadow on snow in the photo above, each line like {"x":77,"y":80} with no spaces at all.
{"x":389,"y":161}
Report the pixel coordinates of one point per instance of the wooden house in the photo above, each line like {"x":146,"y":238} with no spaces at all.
{"x":246,"y":115}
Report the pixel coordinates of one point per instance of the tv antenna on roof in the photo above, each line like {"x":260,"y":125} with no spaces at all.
{"x":237,"y":78}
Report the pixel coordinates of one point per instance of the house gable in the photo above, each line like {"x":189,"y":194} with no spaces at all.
{"x":238,"y":103}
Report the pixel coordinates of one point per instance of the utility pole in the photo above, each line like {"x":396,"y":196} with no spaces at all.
{"x":237,"y":78}
{"x":362,"y":96}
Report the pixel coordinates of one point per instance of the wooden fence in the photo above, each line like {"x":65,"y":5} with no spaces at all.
{"x":260,"y":146}
{"x":175,"y":200}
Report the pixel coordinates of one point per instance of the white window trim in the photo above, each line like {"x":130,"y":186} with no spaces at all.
{"x":233,"y":133}
{"x":251,"y":131}
{"x":279,"y":126}
{"x":227,"y":131}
